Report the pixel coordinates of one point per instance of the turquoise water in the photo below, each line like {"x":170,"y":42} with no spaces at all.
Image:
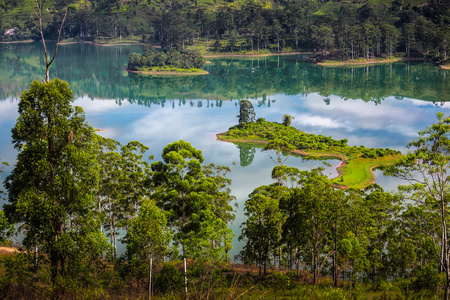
{"x":375,"y":106}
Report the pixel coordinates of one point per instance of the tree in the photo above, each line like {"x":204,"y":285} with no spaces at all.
{"x":135,"y":172}
{"x":2,"y":165}
{"x":3,"y":221}
{"x":37,"y":15}
{"x":246,"y":112}
{"x":426,"y":169}
{"x":262,"y":230}
{"x":280,"y":147}
{"x":308,"y":222}
{"x":287,"y":120}
{"x":323,"y":39}
{"x":232,"y":39}
{"x":391,"y":36}
{"x":134,"y":61}
{"x":147,"y":237}
{"x":197,"y":201}
{"x":52,"y":188}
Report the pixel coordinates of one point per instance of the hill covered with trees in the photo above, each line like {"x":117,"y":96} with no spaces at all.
{"x":338,"y":29}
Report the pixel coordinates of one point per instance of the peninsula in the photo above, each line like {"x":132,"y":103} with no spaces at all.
{"x":357,"y":165}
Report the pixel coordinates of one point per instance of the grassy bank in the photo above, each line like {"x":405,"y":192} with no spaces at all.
{"x":358,"y":62}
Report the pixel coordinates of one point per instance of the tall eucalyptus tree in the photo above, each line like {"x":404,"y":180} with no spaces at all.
{"x":197,"y":202}
{"x":427,"y":170}
{"x":52,"y":188}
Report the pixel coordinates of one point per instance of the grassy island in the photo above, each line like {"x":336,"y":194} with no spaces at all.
{"x":357,"y":164}
{"x":171,"y":62}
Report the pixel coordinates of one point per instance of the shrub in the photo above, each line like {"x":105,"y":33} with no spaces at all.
{"x":427,"y":278}
{"x":169,"y":278}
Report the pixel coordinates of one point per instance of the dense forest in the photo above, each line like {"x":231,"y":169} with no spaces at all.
{"x":337,"y":29}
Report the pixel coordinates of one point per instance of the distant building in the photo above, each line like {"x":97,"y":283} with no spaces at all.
{"x":10,"y":32}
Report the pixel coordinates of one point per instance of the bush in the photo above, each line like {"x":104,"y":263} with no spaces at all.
{"x":278,"y":280}
{"x":169,"y":278}
{"x":427,"y":279}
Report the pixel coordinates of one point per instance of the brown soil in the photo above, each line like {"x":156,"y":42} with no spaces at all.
{"x":8,"y":250}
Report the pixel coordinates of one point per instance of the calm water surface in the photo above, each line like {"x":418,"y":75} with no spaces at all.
{"x":376,"y":106}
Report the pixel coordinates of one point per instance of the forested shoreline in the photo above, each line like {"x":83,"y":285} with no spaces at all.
{"x":335,"y":29}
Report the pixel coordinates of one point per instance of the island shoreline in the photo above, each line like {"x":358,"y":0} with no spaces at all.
{"x":296,"y":151}
{"x":167,"y":73}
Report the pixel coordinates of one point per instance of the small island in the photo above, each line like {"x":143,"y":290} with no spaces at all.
{"x":357,"y":165}
{"x":170,"y":62}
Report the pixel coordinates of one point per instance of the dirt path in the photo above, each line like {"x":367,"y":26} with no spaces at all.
{"x":8,"y":250}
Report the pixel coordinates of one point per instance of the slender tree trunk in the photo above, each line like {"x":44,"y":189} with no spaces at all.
{"x":185,"y":274}
{"x":110,"y":221}
{"x":265,"y":266}
{"x":281,"y":254}
{"x":335,"y":257}
{"x":150,"y":277}
{"x":445,"y":254}
{"x":36,"y":258}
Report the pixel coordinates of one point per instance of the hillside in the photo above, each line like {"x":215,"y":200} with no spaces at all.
{"x":339,"y":30}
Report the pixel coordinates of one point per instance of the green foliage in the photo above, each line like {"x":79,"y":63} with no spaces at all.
{"x":339,"y":30}
{"x":427,"y":278}
{"x":287,"y":120}
{"x":377,"y":152}
{"x":171,"y":58}
{"x":197,"y":200}
{"x":246,"y":113}
{"x":426,"y":198}
{"x":51,"y":190}
{"x":262,"y":230}
{"x":264,"y":130}
{"x":146,"y":239}
{"x":169,"y":278}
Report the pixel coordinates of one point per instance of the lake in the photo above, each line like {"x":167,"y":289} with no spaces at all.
{"x":375,"y":106}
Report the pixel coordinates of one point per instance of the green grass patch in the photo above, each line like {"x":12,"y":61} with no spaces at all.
{"x":357,"y":173}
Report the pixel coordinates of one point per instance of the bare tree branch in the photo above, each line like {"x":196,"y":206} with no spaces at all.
{"x":37,"y":15}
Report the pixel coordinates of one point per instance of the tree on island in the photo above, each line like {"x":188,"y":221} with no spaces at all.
{"x":246,"y":112}
{"x":287,"y":120}
{"x":167,"y":58}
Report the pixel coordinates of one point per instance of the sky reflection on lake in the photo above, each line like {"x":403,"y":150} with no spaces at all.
{"x":157,"y":121}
